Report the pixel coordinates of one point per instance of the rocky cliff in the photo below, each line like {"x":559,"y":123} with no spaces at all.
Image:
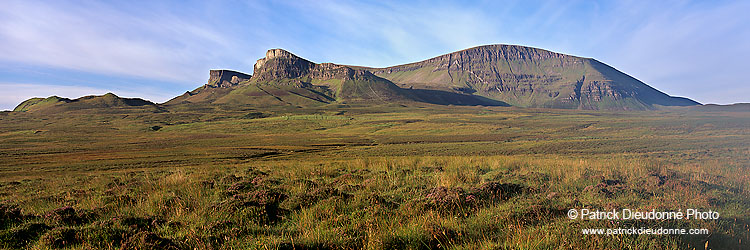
{"x":342,"y":82}
{"x":225,"y":78}
{"x":281,"y":64}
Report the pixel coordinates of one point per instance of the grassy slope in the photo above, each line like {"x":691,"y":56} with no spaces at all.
{"x":367,"y":176}
{"x":39,"y":103}
{"x":553,"y":81}
{"x":277,"y":92}
{"x":375,"y":89}
{"x":302,"y":91}
{"x":56,"y":104}
{"x":313,"y":92}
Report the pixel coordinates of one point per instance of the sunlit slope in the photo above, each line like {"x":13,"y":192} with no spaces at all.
{"x":58,"y":104}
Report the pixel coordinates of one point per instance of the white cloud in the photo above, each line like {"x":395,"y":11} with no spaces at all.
{"x":96,"y":38}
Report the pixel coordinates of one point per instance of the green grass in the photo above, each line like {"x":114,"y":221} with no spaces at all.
{"x":36,"y":103}
{"x":375,"y":177}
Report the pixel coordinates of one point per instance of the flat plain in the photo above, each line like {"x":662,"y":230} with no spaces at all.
{"x":392,"y":176}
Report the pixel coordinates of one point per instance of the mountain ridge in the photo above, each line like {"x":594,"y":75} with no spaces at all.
{"x":484,"y":75}
{"x":512,"y":73}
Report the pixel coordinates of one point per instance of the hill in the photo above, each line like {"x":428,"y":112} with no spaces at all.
{"x":531,"y":77}
{"x":737,"y":107}
{"x":40,"y":103}
{"x":282,"y":78}
{"x":60,"y":104}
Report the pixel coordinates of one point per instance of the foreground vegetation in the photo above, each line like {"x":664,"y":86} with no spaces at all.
{"x":383,"y":177}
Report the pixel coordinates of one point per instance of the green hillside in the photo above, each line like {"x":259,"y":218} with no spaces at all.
{"x":531,"y":77}
{"x":39,"y":103}
{"x":58,"y":104}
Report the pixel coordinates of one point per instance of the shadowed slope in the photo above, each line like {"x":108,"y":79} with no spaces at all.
{"x":38,"y":103}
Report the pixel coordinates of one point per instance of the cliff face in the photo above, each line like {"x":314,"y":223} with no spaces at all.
{"x":343,"y":82}
{"x":530,"y":77}
{"x":225,"y":78}
{"x":281,"y":64}
{"x":479,"y":57}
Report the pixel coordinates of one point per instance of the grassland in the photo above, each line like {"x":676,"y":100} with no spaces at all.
{"x":382,"y":177}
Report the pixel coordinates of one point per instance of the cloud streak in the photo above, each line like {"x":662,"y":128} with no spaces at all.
{"x":98,"y":38}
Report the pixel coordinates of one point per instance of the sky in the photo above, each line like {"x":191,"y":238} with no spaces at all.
{"x":157,"y":50}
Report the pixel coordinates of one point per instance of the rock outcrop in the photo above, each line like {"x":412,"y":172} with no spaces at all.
{"x":282,"y":78}
{"x":344,"y":82}
{"x":281,"y":64}
{"x":225,"y":78}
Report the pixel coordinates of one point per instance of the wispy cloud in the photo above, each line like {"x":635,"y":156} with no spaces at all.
{"x":385,"y":33}
{"x":93,"y":37}
{"x":689,"y":50}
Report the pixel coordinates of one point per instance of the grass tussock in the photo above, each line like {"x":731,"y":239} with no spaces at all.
{"x":432,"y":178}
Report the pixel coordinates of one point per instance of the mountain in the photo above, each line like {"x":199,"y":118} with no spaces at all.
{"x":282,"y":78}
{"x":531,"y":77}
{"x":60,"y":104}
{"x":492,"y":75}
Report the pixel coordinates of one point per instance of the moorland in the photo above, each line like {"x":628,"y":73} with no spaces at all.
{"x":344,"y":176}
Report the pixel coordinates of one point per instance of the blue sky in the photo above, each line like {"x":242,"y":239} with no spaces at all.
{"x":160,"y":49}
